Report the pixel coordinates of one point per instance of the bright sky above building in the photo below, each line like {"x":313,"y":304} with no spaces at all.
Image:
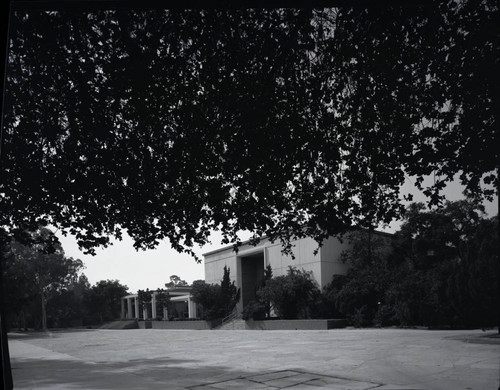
{"x":153,"y":268}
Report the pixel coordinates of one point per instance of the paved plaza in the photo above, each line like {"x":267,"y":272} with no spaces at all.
{"x":358,"y":359}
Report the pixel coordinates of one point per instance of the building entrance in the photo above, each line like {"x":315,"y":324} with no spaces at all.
{"x":252,"y":271}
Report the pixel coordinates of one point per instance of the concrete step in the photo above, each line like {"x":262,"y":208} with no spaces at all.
{"x":236,"y":324}
{"x":122,"y":324}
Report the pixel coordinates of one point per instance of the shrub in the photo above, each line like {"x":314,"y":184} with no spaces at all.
{"x":292,"y":295}
{"x":327,"y":307}
{"x":360,"y":317}
{"x":217,"y":301}
{"x":384,"y":316}
{"x":254,"y":310}
{"x":209,"y":297}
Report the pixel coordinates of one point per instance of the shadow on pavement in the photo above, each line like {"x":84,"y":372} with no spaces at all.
{"x":162,"y":374}
{"x":493,"y":339}
{"x":135,"y":374}
{"x":35,"y":334}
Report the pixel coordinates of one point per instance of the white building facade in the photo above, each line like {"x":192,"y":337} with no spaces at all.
{"x":247,"y":266}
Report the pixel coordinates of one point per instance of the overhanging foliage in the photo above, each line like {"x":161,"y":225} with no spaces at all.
{"x":284,"y":122}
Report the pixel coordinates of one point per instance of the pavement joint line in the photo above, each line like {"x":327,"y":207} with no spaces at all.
{"x":340,"y":377}
{"x":296,"y":373}
{"x":377,"y":386}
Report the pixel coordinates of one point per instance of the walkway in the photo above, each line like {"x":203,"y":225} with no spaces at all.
{"x":180,"y":359}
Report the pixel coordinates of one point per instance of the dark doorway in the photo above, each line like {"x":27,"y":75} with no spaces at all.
{"x":252,"y":274}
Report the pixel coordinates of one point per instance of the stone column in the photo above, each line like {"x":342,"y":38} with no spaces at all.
{"x":239,"y":282}
{"x":153,"y":306}
{"x":191,"y":308}
{"x":129,"y":308}
{"x":122,"y":301}
{"x":136,"y":308}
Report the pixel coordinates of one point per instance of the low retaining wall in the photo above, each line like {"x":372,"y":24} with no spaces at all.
{"x":195,"y":325}
{"x":250,"y":325}
{"x":122,"y":324}
{"x":296,"y":324}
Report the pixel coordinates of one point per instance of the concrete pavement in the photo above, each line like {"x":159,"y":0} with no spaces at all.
{"x":361,"y":359}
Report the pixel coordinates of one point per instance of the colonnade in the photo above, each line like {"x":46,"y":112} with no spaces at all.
{"x":130,"y":307}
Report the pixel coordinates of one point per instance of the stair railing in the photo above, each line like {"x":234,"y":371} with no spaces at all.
{"x":233,"y":316}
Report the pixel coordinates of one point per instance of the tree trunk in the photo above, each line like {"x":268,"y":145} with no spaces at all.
{"x":44,"y":312}
{"x":5,"y":369}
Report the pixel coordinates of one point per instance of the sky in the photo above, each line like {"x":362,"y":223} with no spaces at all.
{"x":153,"y":268}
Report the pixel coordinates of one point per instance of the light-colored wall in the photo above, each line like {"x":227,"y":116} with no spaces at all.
{"x":304,"y":258}
{"x":303,"y":251}
{"x":214,"y":270}
{"x":331,"y":263}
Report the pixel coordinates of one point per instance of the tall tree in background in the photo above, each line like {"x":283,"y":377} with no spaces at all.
{"x":66,"y":308}
{"x":451,"y":261}
{"x":42,"y":268}
{"x":103,"y":300}
{"x":170,"y":124}
{"x":175,"y":281}
{"x":360,"y":293}
{"x":441,"y":270}
{"x":17,"y":292}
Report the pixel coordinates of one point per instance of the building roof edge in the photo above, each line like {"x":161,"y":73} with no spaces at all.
{"x":225,"y":248}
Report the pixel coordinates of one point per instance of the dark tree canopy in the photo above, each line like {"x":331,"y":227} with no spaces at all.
{"x":284,"y":122}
